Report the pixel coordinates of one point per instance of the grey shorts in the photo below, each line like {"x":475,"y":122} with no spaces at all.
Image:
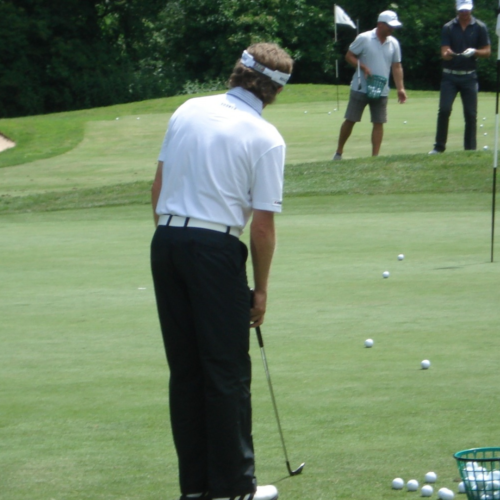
{"x":357,"y":104}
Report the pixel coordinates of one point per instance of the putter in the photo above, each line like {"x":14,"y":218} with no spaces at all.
{"x":298,"y":470}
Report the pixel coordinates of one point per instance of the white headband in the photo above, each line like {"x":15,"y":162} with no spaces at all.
{"x":276,"y":76}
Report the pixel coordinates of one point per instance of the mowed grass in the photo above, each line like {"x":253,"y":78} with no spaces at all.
{"x":83,"y":379}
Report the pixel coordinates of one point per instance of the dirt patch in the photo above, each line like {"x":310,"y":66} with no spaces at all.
{"x":5,"y":143}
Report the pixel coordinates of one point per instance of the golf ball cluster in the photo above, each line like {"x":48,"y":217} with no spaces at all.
{"x":482,"y":481}
{"x":427,"y":490}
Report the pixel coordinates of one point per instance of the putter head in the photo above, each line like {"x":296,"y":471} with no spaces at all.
{"x":297,"y":471}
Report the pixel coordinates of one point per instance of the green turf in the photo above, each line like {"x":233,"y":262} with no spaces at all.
{"x":83,"y":381}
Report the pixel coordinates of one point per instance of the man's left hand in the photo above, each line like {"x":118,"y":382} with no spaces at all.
{"x":401,"y":96}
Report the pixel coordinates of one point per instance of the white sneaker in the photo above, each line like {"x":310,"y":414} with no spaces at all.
{"x":268,"y":492}
{"x":337,"y":156}
{"x":435,"y":152}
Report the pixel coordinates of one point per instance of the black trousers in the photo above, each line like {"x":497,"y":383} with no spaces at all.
{"x":451,"y":85}
{"x":203,"y":305}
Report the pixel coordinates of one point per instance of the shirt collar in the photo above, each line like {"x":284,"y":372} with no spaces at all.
{"x":247,"y":97}
{"x":472,"y":20}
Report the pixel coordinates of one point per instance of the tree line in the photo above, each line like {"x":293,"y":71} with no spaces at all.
{"x":59,"y":55}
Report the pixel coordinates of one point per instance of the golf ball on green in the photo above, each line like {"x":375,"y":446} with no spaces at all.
{"x":386,"y":274}
{"x":446,"y":494}
{"x":431,"y":477}
{"x":427,"y":490}
{"x":412,"y":485}
{"x":401,"y":256}
{"x":425,"y":364}
{"x":398,"y":483}
{"x":368,"y":343}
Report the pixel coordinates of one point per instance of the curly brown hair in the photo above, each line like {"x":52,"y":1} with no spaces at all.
{"x":273,"y":57}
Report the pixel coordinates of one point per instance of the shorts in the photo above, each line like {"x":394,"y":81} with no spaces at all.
{"x":357,"y":104}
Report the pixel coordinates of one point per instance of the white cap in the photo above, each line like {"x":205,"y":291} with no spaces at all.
{"x":276,"y":76}
{"x":464,"y":5}
{"x":389,"y":17}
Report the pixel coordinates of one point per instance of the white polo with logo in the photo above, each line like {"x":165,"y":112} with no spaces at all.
{"x":221,"y":160}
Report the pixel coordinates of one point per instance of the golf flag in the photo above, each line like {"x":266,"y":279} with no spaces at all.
{"x":342,"y":18}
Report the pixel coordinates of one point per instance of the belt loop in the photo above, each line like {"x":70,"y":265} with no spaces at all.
{"x":169,"y":219}
{"x":186,"y":222}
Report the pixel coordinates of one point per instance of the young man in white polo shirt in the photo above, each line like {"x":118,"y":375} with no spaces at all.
{"x":376,"y":53}
{"x":220,"y":164}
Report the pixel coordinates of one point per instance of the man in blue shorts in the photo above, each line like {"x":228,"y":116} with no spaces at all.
{"x":463,"y":40}
{"x":374,"y":52}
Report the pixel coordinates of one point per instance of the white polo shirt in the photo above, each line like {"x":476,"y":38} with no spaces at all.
{"x":377,"y":56}
{"x":221,"y":159}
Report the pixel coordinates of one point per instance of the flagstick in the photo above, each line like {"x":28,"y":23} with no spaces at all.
{"x":495,"y":159}
{"x":336,"y":60}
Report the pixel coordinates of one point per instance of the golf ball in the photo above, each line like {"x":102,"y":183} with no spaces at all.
{"x":427,"y":490}
{"x":368,"y":343}
{"x":446,"y":494}
{"x":386,"y":274}
{"x":430,"y":477}
{"x":485,"y":147}
{"x":401,"y":256}
{"x":461,"y":487}
{"x":397,"y":484}
{"x":305,"y":112}
{"x":405,"y":122}
{"x":412,"y":485}
{"x":481,"y":125}
{"x":425,"y":364}
{"x":486,"y":133}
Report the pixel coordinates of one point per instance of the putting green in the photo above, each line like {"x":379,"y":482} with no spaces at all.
{"x":84,"y":406}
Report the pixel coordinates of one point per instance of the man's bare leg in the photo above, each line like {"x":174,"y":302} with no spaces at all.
{"x":345,"y":133}
{"x":377,"y":136}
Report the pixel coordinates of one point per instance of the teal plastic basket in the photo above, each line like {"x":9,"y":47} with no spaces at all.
{"x":375,"y":84}
{"x":480,"y":472}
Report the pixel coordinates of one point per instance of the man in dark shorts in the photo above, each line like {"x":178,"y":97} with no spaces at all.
{"x":374,"y":52}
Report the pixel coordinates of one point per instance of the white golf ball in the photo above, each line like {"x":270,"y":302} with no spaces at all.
{"x":431,"y":477}
{"x":412,"y":485}
{"x":481,"y":125}
{"x":485,"y":147}
{"x":329,"y":112}
{"x":486,"y":133}
{"x":484,"y":118}
{"x":405,"y":122}
{"x":446,"y":494}
{"x":397,"y":484}
{"x":386,"y":274}
{"x":368,"y":343}
{"x":427,"y":490}
{"x":461,"y":487}
{"x":425,"y":364}
{"x":401,"y":256}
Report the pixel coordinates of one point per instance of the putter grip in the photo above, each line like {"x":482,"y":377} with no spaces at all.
{"x":259,"y":337}
{"x":257,"y":330}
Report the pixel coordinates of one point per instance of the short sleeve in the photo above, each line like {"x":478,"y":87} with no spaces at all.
{"x":267,"y":186}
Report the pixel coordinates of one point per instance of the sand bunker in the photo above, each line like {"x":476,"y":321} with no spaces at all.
{"x":5,"y":143}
